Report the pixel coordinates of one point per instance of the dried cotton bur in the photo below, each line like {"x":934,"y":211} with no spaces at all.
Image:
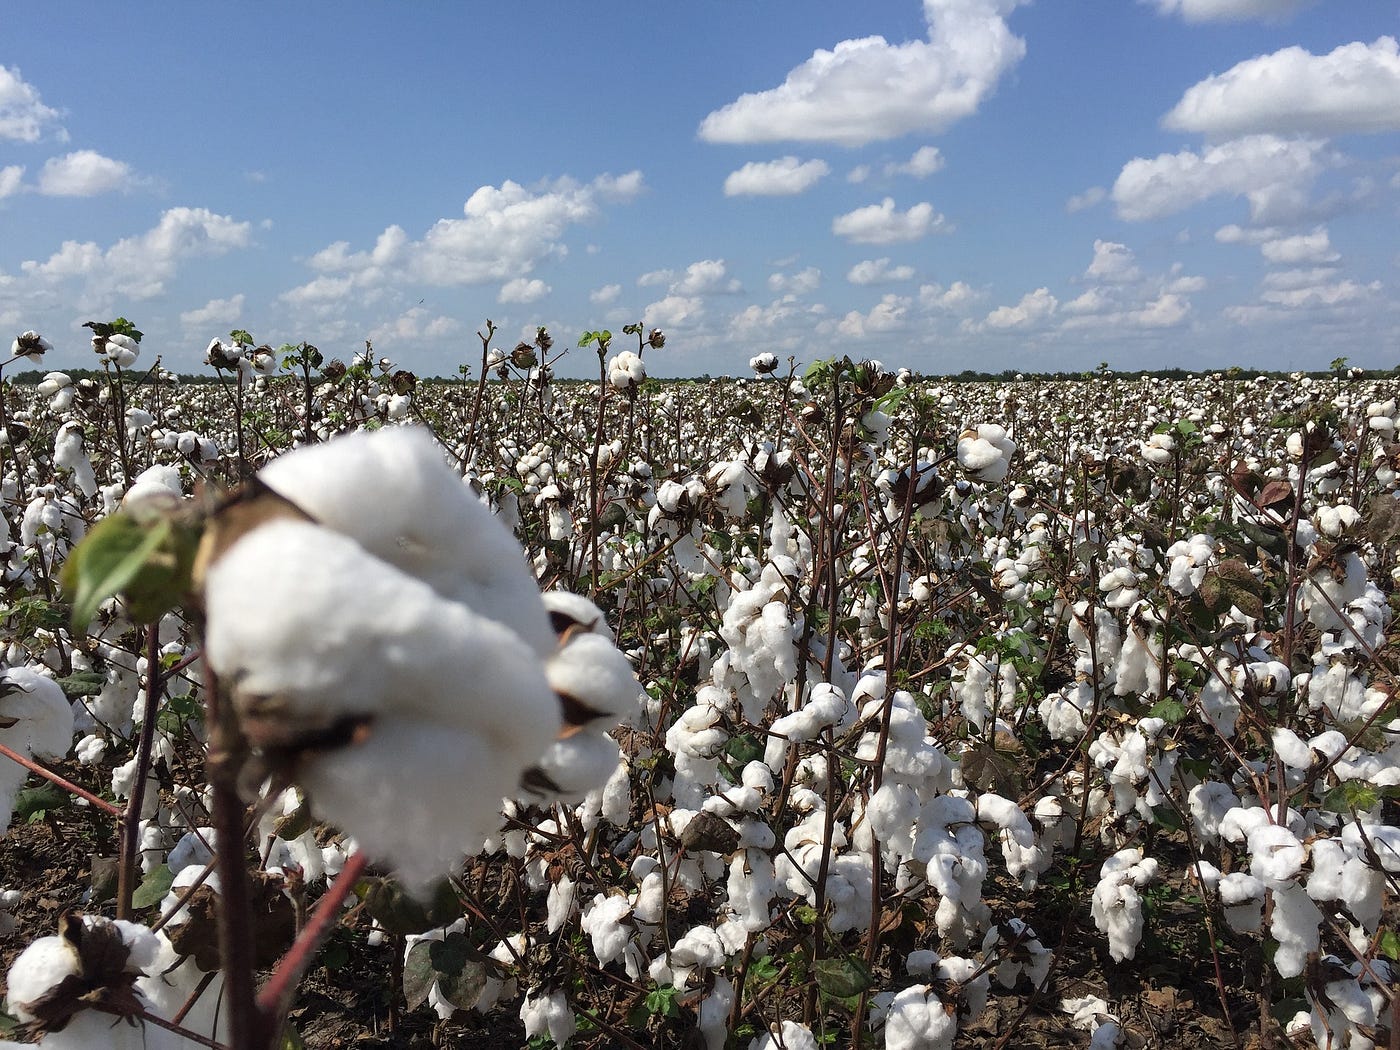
{"x":385,"y":647}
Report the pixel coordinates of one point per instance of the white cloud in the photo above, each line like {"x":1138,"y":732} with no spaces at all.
{"x":1355,"y":88}
{"x":955,"y":296}
{"x":1320,"y":295}
{"x":1113,"y":263}
{"x":523,"y":290}
{"x":605,"y":295}
{"x":505,"y":232}
{"x":1234,"y":234}
{"x":795,"y":283}
{"x":868,"y":89}
{"x":888,"y":315}
{"x":706,"y":277}
{"x":1287,"y":280}
{"x":1272,"y":173}
{"x":1314,"y":247}
{"x":675,"y":311}
{"x":218,"y":312}
{"x":858,"y":174}
{"x":878,"y":271}
{"x":882,"y":224}
{"x":138,"y":267}
{"x":10,"y":179}
{"x":926,"y":161}
{"x":22,"y":116}
{"x":1083,"y":201}
{"x":1232,"y":10}
{"x":656,"y":277}
{"x":414,"y":324}
{"x":1187,"y":284}
{"x":1033,"y":309}
{"x":84,"y":173}
{"x":783,"y":177}
{"x":1095,"y":310}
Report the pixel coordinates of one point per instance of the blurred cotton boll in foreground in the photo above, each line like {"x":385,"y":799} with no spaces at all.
{"x":384,"y":643}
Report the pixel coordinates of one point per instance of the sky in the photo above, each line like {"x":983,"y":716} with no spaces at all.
{"x":945,"y":185}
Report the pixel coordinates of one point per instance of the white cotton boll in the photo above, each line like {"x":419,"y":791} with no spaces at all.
{"x":1295,"y":924}
{"x":69,"y":454}
{"x":42,"y":966}
{"x":616,"y":800}
{"x":576,"y":764}
{"x":559,"y":903}
{"x":1276,"y":855}
{"x":1291,"y":749}
{"x":1117,"y":906}
{"x":1158,"y":449}
{"x":548,"y":1015}
{"x":392,"y":493}
{"x":606,"y":924}
{"x":984,"y":452}
{"x":787,"y":1035}
{"x":712,"y":1014}
{"x":591,"y":670}
{"x":1383,"y":838}
{"x":918,"y":1020}
{"x":1242,"y":897}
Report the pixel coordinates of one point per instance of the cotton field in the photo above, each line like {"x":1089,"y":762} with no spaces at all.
{"x":830,"y":706}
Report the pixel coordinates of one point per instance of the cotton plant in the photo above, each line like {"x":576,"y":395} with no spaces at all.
{"x":384,"y":641}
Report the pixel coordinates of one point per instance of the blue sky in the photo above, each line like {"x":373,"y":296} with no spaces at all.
{"x":943,"y":185}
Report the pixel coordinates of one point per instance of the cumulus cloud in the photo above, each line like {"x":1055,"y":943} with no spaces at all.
{"x":878,"y":271}
{"x":605,"y":295}
{"x":1274,"y":174}
{"x":1086,"y":200}
{"x":675,"y":311}
{"x":858,"y":174}
{"x":138,"y":267}
{"x":1232,"y":10}
{"x":1033,"y":310}
{"x":1355,"y":88}
{"x":1113,"y":263}
{"x":523,"y":290}
{"x":504,"y":233}
{"x":84,"y":173}
{"x":1313,"y":247}
{"x":783,"y":177}
{"x":11,"y":177}
{"x":926,"y":161}
{"x":867,"y":89}
{"x":883,"y":224}
{"x":956,"y":296}
{"x":888,"y":315}
{"x":795,"y":283}
{"x":23,"y":116}
{"x":1095,"y":310}
{"x":216,"y":312}
{"x":706,"y":277}
{"x":415,"y":323}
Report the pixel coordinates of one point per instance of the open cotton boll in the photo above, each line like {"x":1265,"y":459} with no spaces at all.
{"x":786,"y":1035}
{"x":984,"y":452}
{"x":392,"y":492}
{"x":36,"y":720}
{"x":323,"y":645}
{"x":917,"y":1019}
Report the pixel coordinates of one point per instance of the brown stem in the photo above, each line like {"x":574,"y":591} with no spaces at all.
{"x":67,"y":785}
{"x":131,"y":819}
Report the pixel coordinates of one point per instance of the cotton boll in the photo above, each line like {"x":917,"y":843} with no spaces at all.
{"x":606,"y":924}
{"x":1242,"y":898}
{"x":69,"y":454}
{"x":712,"y":1015}
{"x":421,"y":518}
{"x":549,"y":1015}
{"x":573,"y":765}
{"x":1295,"y":925}
{"x":984,"y":452}
{"x":917,"y":1019}
{"x":787,"y":1035}
{"x":1117,"y":906}
{"x":42,"y":728}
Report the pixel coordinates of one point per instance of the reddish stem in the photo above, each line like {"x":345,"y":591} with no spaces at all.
{"x":67,"y":785}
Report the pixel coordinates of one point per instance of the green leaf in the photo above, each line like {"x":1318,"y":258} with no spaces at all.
{"x":661,"y":1002}
{"x":35,"y":803}
{"x":1349,"y":795}
{"x":291,"y":1039}
{"x":398,"y":912}
{"x":1389,"y":945}
{"x":82,"y":683}
{"x":111,"y":560}
{"x":153,"y":887}
{"x":1169,"y":711}
{"x":418,"y":974}
{"x":842,"y":978}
